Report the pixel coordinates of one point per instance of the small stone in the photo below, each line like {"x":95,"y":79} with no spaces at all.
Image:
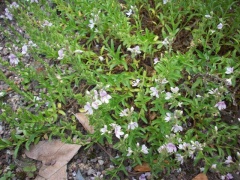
{"x":91,"y":171}
{"x":100,"y":162}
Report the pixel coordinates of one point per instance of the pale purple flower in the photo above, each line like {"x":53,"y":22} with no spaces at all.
{"x":24,"y":49}
{"x":118,"y":131}
{"x":179,"y":158}
{"x":171,"y":148}
{"x":168,"y":117}
{"x":8,"y":14}
{"x":88,"y":108}
{"x":104,"y":130}
{"x":155,"y":60}
{"x":221,"y":105}
{"x":176,"y":128}
{"x":229,"y":70}
{"x":168,"y":95}
{"x":13,"y":59}
{"x":135,"y":83}
{"x":60,"y":54}
{"x":220,"y":26}
{"x":132,"y":125}
{"x":229,"y":160}
{"x":130,"y":151}
{"x":104,"y":96}
{"x":96,"y":103}
{"x":175,"y":90}
{"x":144,"y":149}
{"x":135,"y":51}
{"x":229,"y":176}
{"x":154,"y":92}
{"x":14,"y":5}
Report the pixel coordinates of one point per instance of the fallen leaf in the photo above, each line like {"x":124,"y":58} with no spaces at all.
{"x":200,"y":176}
{"x":145,"y":166}
{"x":83,"y":119}
{"x":142,"y":168}
{"x":54,"y":155}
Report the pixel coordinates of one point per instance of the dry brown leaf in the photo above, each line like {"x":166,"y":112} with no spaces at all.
{"x":200,"y":176}
{"x":83,"y":119}
{"x":54,"y":155}
{"x":145,"y":166}
{"x":142,"y":168}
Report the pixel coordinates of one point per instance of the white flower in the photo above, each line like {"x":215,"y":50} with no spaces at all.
{"x":91,"y":24}
{"x":229,"y":81}
{"x":126,"y":112}
{"x":104,"y":96}
{"x":229,"y":160}
{"x":171,"y":148}
{"x":221,"y":105}
{"x":129,"y":13}
{"x":165,"y":41}
{"x":101,"y":58}
{"x":168,"y":96}
{"x":78,"y":51}
{"x":208,"y":16}
{"x":118,"y":131}
{"x":8,"y":14}
{"x":60,"y":54}
{"x":46,"y":23}
{"x":164,"y":81}
{"x":229,"y":70}
{"x":167,"y":117}
{"x":135,"y":51}
{"x":213,"y":91}
{"x":135,"y":83}
{"x":32,"y":1}
{"x":201,"y":169}
{"x":165,"y":1}
{"x":154,"y":92}
{"x":132,"y":125}
{"x":24,"y":49}
{"x":214,"y":166}
{"x":175,"y":90}
{"x":144,"y":149}
{"x":103,"y":130}
{"x":13,"y":59}
{"x":161,"y":148}
{"x":176,"y":128}
{"x":130,"y":151}
{"x":220,"y":26}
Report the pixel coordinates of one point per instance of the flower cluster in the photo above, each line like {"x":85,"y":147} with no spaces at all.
{"x":98,"y":98}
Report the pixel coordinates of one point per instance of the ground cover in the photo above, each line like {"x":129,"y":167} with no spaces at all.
{"x":157,"y":81}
